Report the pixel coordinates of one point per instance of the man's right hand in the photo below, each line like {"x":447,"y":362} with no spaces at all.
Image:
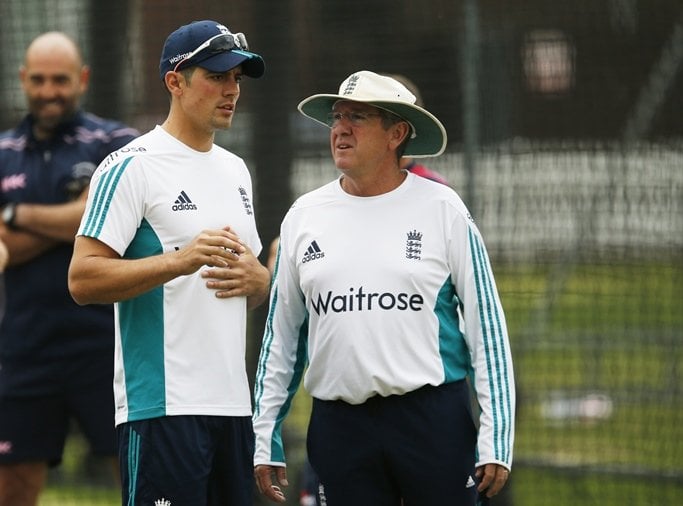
{"x":264,"y":481}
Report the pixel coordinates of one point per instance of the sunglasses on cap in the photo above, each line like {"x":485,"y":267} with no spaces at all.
{"x":217,"y":44}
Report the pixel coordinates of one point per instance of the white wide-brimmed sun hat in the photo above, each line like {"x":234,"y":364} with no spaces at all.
{"x":429,"y":135}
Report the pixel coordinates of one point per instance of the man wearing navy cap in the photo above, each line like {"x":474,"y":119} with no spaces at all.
{"x":169,"y":236}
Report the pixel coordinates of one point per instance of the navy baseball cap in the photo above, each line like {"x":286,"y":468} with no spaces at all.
{"x":209,"y":45}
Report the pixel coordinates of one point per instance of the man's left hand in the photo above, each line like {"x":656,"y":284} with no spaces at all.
{"x":492,"y":478}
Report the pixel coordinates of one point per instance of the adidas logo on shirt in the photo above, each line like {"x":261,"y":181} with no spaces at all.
{"x":312,"y":253}
{"x":183,"y":203}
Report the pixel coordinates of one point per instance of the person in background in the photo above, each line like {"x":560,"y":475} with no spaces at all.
{"x":407,"y":162}
{"x":55,"y":357}
{"x":169,"y":236}
{"x":387,"y":271}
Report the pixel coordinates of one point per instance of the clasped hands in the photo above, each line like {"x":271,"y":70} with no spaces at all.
{"x":233,"y":269}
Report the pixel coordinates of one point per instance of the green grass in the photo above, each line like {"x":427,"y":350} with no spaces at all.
{"x":644,"y":435}
{"x":608,"y":298}
{"x":80,"y":481}
{"x":82,"y":495}
{"x":552,"y":487}
{"x":613,"y":329}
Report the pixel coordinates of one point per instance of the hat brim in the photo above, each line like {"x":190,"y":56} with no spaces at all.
{"x":430,"y":134}
{"x":252,"y":64}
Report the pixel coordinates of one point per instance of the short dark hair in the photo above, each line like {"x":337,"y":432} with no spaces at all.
{"x":187,"y":73}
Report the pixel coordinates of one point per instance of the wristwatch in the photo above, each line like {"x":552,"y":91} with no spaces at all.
{"x":9,"y":213}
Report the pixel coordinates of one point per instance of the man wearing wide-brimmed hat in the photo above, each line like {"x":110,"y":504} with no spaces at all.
{"x":384,"y":301}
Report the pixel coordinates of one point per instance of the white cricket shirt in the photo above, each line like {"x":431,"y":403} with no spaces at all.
{"x":381,"y":296}
{"x":179,"y":349}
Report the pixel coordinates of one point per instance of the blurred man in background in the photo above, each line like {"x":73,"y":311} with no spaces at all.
{"x":55,"y":357}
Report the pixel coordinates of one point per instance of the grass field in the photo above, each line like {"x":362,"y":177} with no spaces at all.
{"x":550,"y":486}
{"x":74,"y":495}
{"x":613,"y":330}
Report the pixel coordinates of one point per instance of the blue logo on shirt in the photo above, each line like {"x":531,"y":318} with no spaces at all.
{"x":361,"y":301}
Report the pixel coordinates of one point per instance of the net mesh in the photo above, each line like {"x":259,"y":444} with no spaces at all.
{"x":565,"y":141}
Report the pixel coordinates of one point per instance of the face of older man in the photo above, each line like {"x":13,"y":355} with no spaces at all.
{"x":358,"y":139}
